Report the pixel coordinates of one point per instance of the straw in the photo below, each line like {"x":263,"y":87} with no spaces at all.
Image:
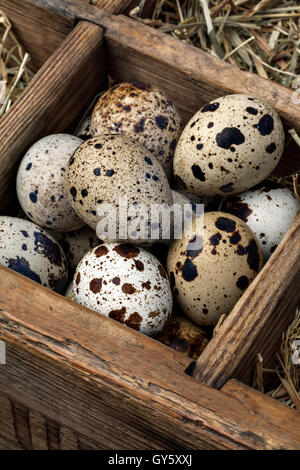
{"x":14,"y":72}
{"x":259,"y":36}
{"x":287,"y":390}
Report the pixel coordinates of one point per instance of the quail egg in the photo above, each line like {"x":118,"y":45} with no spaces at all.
{"x":85,"y":132}
{"x":184,"y":336}
{"x":228,"y":146}
{"x":126,"y":283}
{"x":40,"y":183}
{"x":77,"y":243}
{"x":31,"y":251}
{"x":143,"y":113}
{"x":212,"y":265}
{"x":109,"y":176}
{"x":268,"y":210}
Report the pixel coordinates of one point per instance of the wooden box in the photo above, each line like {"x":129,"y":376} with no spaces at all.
{"x":74,"y":379}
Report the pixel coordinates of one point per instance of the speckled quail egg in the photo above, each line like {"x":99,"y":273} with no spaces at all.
{"x":143,"y":113}
{"x":126,"y":283}
{"x":183,"y":335}
{"x":69,"y":292}
{"x":268,"y":210}
{"x":84,"y":131}
{"x":77,"y":243}
{"x":31,"y":251}
{"x":212,"y":265}
{"x":113,"y":170}
{"x":231,"y":144}
{"x":40,"y":183}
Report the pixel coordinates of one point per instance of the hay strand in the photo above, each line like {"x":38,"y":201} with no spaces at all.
{"x":14,"y":71}
{"x":262,"y":36}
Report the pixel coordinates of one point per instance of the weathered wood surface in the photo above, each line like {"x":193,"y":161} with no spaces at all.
{"x":258,"y":320}
{"x":57,"y":96}
{"x":40,"y":32}
{"x":188,"y":75}
{"x":87,"y":373}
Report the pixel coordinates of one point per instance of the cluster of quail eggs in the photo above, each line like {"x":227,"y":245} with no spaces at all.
{"x":132,"y":146}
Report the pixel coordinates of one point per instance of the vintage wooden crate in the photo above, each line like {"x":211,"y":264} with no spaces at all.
{"x":77,"y":380}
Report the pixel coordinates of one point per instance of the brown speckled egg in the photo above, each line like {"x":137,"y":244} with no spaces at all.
{"x":40,"y":183}
{"x":31,"y":251}
{"x":84,"y":131}
{"x":125,"y":283}
{"x":209,"y":269}
{"x":228,"y":146}
{"x":107,"y":168}
{"x":77,"y":243}
{"x":185,"y":336}
{"x":143,"y":113}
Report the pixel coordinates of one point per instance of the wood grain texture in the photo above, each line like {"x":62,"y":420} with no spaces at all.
{"x":188,"y":75}
{"x":258,"y":320}
{"x":56,"y":98}
{"x":87,"y":372}
{"x":40,"y":32}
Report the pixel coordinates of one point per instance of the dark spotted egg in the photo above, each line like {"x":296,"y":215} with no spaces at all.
{"x":31,"y":251}
{"x":228,"y":146}
{"x":184,"y":336}
{"x":110,"y":173}
{"x":84,"y":131}
{"x":212,"y":265}
{"x":40,"y":183}
{"x":77,"y":243}
{"x":268,"y":209}
{"x":143,"y":113}
{"x":125,"y":283}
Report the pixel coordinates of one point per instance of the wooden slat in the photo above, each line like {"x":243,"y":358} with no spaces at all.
{"x":40,"y":32}
{"x":56,"y":97}
{"x":87,"y":372}
{"x":188,"y":75}
{"x":258,"y":319}
{"x":272,"y":408}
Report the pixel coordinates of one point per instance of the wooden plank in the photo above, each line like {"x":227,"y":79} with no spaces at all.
{"x":57,"y":96}
{"x":188,"y":75}
{"x":253,"y":398}
{"x":92,"y":374}
{"x":258,"y":320}
{"x":40,"y":32}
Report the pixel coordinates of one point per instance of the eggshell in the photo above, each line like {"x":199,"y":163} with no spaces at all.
{"x":31,"y":251}
{"x":40,"y":183}
{"x":268,"y":210}
{"x":210,"y":269}
{"x":69,"y":292}
{"x":184,"y":336}
{"x":84,"y":131}
{"x":107,"y":168}
{"x":143,"y":113}
{"x":228,"y":146}
{"x":126,"y":283}
{"x":77,"y":243}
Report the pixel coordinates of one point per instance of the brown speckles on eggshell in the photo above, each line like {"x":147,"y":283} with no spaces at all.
{"x":110,"y":283}
{"x":96,"y":285}
{"x":146,"y":114}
